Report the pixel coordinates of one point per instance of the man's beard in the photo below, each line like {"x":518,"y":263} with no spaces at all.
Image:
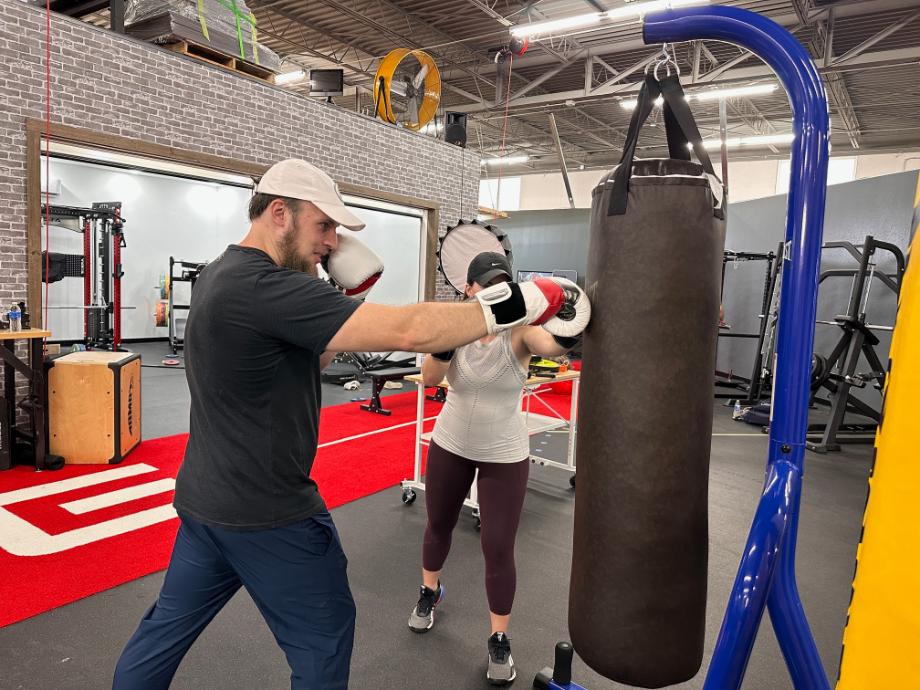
{"x":289,"y":258}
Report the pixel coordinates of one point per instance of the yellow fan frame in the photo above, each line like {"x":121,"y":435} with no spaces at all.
{"x":383,"y":106}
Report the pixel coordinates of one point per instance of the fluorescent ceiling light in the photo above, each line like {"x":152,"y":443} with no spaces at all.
{"x":507,"y":160}
{"x":712,"y":95}
{"x":737,"y":142}
{"x":290,"y":77}
{"x":635,"y":9}
{"x":737,"y":92}
{"x":633,"y":103}
{"x":553,"y":26}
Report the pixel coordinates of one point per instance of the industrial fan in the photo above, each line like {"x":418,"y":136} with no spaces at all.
{"x":407,"y":88}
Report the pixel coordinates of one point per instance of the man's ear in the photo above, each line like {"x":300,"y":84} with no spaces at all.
{"x":277,"y":211}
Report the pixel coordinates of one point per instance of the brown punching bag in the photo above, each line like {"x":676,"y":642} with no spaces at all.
{"x":637,"y":600}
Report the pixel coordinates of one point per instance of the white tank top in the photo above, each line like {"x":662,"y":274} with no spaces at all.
{"x":482,"y":418}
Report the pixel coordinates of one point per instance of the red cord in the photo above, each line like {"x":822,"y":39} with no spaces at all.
{"x":47,"y":158}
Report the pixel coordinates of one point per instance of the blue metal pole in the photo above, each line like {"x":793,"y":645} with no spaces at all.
{"x":767,"y":566}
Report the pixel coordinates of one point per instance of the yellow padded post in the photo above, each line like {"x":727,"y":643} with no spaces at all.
{"x":881,"y":643}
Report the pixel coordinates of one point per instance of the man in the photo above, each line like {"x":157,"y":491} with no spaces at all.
{"x":260,"y":328}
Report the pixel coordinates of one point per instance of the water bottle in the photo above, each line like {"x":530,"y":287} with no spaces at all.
{"x":737,"y":413}
{"x":15,"y":318}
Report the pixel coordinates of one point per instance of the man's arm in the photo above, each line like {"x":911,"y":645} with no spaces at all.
{"x":423,"y":327}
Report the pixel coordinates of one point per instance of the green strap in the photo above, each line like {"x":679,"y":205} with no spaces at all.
{"x":201,"y":20}
{"x":239,"y":30}
{"x":250,"y":18}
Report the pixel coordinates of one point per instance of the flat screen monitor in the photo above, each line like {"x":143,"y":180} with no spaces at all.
{"x":567,"y":274}
{"x":523,"y":276}
{"x":326,"y":82}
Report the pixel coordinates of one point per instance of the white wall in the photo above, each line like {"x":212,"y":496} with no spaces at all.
{"x":747,"y":180}
{"x":886,"y":164}
{"x":544,"y":191}
{"x":397,"y":240}
{"x":192,"y":221}
{"x":188,"y":219}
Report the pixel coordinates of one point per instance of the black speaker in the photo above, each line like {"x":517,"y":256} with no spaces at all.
{"x":455,"y":129}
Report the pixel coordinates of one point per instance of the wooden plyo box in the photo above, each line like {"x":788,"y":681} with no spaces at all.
{"x":94,"y":406}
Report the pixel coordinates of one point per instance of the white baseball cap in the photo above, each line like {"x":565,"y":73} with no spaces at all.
{"x":297,"y":179}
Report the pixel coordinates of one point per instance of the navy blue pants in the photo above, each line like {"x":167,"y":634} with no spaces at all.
{"x":295,"y":574}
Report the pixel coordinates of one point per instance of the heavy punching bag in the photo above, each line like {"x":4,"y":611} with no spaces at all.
{"x":637,"y":599}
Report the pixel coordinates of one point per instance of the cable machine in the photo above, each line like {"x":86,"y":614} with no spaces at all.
{"x":179,"y":272}
{"x":752,"y":386}
{"x":837,"y":373}
{"x":100,"y":267}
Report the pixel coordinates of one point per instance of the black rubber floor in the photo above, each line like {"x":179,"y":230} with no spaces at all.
{"x":76,"y":646}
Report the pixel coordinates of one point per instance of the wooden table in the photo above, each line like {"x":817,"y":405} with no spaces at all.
{"x":33,"y":371}
{"x":536,"y":423}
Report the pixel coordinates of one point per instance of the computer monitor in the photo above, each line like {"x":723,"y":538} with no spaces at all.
{"x":327,"y":82}
{"x":523,"y":276}
{"x":567,"y":274}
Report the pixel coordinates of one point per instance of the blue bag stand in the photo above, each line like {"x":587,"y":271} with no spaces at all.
{"x":766,"y":575}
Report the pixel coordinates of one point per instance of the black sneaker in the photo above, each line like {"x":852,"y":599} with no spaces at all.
{"x":501,"y":665}
{"x":422,"y":617}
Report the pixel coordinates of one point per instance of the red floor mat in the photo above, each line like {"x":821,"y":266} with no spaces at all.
{"x":69,"y":534}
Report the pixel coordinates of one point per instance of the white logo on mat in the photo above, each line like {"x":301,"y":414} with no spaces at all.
{"x":21,"y":538}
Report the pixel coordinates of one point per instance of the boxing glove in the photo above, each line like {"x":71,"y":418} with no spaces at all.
{"x":353,"y":267}
{"x":507,"y":305}
{"x":574,"y":315}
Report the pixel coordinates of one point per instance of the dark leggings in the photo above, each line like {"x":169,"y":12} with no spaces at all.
{"x":501,"y":496}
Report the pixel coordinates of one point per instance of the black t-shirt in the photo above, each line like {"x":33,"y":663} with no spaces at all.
{"x":253,"y":338}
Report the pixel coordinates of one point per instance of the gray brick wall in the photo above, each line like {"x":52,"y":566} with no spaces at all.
{"x":114,"y":84}
{"x":109,"y":83}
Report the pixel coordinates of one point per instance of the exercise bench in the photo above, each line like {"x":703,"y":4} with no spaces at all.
{"x":378,"y":379}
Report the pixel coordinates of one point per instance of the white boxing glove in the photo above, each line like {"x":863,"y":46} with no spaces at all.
{"x":507,"y":305}
{"x":574,"y":315}
{"x":353,"y":267}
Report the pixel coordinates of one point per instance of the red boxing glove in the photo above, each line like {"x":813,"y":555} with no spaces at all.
{"x":574,"y":315}
{"x":507,"y":305}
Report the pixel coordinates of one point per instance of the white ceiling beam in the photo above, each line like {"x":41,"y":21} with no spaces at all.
{"x":866,"y":60}
{"x":630,"y":39}
{"x":880,"y":36}
{"x":820,"y":48}
{"x":492,"y":13}
{"x":549,"y":74}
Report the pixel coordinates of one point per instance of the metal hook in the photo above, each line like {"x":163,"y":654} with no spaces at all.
{"x":657,"y":57}
{"x":667,"y":60}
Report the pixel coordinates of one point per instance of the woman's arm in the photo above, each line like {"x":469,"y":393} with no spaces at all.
{"x":538,"y":341}
{"x":434,"y":368}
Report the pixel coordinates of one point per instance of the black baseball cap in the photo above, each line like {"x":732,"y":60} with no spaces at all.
{"x":487,"y":266}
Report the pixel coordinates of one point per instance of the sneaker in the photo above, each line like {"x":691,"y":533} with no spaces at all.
{"x":422,"y":617}
{"x":501,"y":665}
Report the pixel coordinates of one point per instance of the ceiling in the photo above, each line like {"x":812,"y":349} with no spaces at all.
{"x":868,"y":52}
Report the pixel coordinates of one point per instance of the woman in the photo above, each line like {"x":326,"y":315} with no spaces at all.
{"x":481,"y":427}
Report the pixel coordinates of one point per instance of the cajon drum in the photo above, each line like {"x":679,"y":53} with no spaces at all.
{"x":94,"y":406}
